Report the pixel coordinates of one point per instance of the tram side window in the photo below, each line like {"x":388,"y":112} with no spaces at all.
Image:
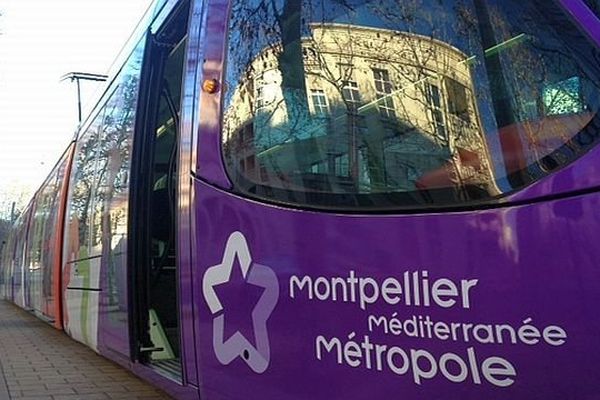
{"x":457,"y":102}
{"x":168,"y":118}
{"x":40,"y":246}
{"x":110,"y":205}
{"x":112,"y":198}
{"x":99,"y":190}
{"x":53,"y":190}
{"x":41,"y":234}
{"x":33,"y":253}
{"x":34,"y":240}
{"x":82,"y":185}
{"x":21,"y":235}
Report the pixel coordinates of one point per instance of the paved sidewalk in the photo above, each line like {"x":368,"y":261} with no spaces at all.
{"x":39,"y":362}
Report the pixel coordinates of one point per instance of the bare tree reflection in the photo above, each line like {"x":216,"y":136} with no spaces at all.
{"x":380,"y":96}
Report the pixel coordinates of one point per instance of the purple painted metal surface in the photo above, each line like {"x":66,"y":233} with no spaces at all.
{"x":210,"y":164}
{"x":189,"y":120}
{"x":20,"y":293}
{"x":585,"y":17}
{"x":529,"y":266}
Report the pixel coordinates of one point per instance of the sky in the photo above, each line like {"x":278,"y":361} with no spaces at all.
{"x":41,"y":40}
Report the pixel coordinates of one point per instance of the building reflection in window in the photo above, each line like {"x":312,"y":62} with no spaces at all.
{"x":461,"y":107}
{"x":401,"y":144}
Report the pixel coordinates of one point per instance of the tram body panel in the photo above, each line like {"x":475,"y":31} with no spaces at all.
{"x":44,"y":243}
{"x":285,"y":244}
{"x":519,"y":267}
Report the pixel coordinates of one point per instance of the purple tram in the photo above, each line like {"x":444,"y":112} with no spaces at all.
{"x":334,"y":199}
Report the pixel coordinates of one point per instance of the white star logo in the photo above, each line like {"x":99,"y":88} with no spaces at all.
{"x":237,"y":345}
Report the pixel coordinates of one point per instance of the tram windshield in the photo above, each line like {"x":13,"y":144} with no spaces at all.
{"x":380,"y":104}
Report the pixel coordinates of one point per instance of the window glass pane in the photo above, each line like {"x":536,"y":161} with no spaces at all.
{"x":99,"y":193}
{"x":111,"y":210}
{"x":82,"y":186}
{"x":385,"y":104}
{"x":34,"y":253}
{"x":42,"y":237}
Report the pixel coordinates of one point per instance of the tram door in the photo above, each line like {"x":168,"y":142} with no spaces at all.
{"x":155,"y":268}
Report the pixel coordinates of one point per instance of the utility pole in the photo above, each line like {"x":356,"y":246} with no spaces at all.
{"x":78,"y":76}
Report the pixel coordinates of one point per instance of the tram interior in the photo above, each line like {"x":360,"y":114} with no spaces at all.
{"x":162,"y":280}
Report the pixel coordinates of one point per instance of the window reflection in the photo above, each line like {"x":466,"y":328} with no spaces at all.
{"x":41,"y":241}
{"x":19,"y":265}
{"x":433,"y":101}
{"x":83,"y":180}
{"x":98,"y":202}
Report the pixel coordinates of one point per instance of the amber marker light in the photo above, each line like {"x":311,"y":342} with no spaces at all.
{"x":210,"y":86}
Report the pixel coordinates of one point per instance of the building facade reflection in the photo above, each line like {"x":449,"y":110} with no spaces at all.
{"x":381,"y":111}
